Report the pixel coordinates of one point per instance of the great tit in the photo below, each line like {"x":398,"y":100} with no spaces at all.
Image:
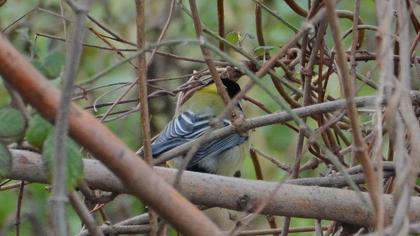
{"x":222,"y":156}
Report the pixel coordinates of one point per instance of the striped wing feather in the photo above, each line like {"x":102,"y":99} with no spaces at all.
{"x":187,"y":127}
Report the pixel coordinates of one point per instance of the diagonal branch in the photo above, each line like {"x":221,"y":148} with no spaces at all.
{"x":360,"y":151}
{"x":206,"y":53}
{"x":104,"y":145}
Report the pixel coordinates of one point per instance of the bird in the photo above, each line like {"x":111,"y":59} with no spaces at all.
{"x":196,"y":110}
{"x":223,"y":156}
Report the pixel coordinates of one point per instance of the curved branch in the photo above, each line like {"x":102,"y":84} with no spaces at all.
{"x":340,"y":13}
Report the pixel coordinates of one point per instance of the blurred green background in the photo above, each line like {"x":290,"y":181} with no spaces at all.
{"x":42,"y":17}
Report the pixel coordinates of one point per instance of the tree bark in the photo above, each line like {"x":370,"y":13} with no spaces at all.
{"x":233,"y":193}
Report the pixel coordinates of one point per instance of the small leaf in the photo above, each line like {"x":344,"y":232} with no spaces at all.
{"x":50,"y":65}
{"x":48,"y":153}
{"x":39,"y":65}
{"x":38,"y":131}
{"x":261,"y":50}
{"x":233,"y":37}
{"x":54,"y":64}
{"x":74,"y":160}
{"x":5,"y":160}
{"x":12,"y":124}
{"x":75,"y":164}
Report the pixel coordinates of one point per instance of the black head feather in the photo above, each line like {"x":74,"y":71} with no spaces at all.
{"x":232,"y":87}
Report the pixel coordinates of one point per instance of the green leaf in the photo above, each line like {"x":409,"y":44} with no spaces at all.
{"x":75,"y":163}
{"x":5,"y":160}
{"x":38,"y":131}
{"x":12,"y":124}
{"x":74,"y":160}
{"x":54,"y":63}
{"x":233,"y":37}
{"x":51,"y":65}
{"x":261,"y":50}
{"x":39,"y":65}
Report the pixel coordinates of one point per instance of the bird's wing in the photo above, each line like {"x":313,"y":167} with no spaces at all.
{"x":187,"y":127}
{"x":216,"y":147}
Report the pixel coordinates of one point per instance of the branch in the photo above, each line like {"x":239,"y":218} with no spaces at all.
{"x":144,"y":102}
{"x":206,"y":54}
{"x":348,"y":90}
{"x":104,"y":145}
{"x":59,"y":197}
{"x":278,"y":118}
{"x":84,"y":214}
{"x":243,"y":195}
{"x":221,"y":22}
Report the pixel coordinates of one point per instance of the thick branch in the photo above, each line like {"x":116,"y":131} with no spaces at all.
{"x":104,"y":145}
{"x":233,"y":193}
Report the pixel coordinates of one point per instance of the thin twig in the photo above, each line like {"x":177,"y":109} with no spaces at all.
{"x":11,"y":186}
{"x":84,"y":214}
{"x":360,"y":151}
{"x":221,"y":22}
{"x":59,"y":195}
{"x":258,"y":25}
{"x":63,"y":18}
{"x":258,"y":172}
{"x":106,"y":29}
{"x":411,"y":124}
{"x":273,"y":13}
{"x":144,"y":103}
{"x":110,"y":45}
{"x":206,"y":54}
{"x":277,"y":231}
{"x":162,"y":33}
{"x":307,"y":87}
{"x":19,"y":207}
{"x":273,"y":160}
{"x":17,"y":20}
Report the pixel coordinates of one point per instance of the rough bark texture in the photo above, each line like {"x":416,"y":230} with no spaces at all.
{"x":233,"y":193}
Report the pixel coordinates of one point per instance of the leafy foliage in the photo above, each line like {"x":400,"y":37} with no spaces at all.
{"x":12,"y":125}
{"x":74,"y":159}
{"x":233,"y":37}
{"x":5,"y":159}
{"x":50,"y":65}
{"x":38,"y":131}
{"x":41,"y":135}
